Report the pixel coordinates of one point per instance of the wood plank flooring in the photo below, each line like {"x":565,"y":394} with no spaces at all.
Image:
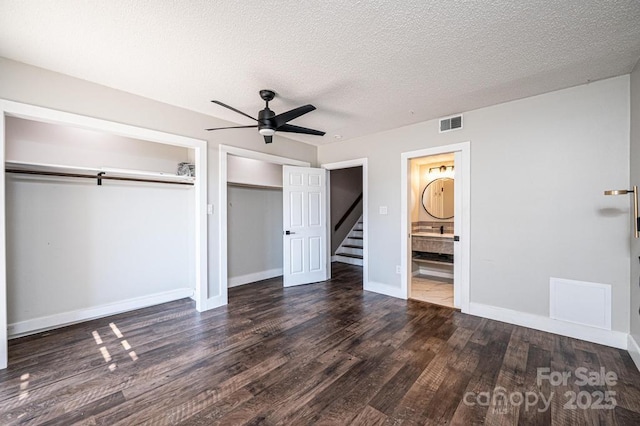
{"x":326,"y":353}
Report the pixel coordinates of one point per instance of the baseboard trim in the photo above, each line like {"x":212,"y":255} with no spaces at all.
{"x":616,"y":339}
{"x":37,"y":325}
{"x":385,"y":289}
{"x":634,"y":350}
{"x":252,"y":278}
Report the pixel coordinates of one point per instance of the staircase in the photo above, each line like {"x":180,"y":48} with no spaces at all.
{"x":351,"y":249}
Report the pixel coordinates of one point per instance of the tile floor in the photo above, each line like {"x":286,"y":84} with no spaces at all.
{"x":434,"y":290}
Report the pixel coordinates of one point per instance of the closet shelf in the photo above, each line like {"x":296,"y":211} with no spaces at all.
{"x":106,"y":173}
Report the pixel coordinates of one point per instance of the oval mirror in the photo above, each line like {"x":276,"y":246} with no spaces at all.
{"x":437,"y":198}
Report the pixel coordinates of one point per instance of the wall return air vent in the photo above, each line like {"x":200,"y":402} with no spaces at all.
{"x":451,"y":123}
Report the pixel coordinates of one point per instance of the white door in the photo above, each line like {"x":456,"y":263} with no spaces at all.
{"x":304,"y":192}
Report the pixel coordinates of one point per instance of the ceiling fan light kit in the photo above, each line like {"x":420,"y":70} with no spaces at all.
{"x":267,"y":132}
{"x":269,"y":123}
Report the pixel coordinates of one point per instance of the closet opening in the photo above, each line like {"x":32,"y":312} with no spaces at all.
{"x":93,"y":220}
{"x":250,"y":223}
{"x":254,"y":221}
{"x":98,"y":219}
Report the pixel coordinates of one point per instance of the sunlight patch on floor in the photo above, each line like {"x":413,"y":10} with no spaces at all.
{"x":24,"y":385}
{"x":105,"y":352}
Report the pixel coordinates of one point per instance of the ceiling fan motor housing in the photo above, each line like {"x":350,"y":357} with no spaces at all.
{"x":266,"y":126}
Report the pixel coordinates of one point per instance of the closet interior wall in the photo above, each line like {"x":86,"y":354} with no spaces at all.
{"x":74,"y":246}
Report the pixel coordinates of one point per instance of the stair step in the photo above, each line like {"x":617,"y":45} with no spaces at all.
{"x":348,"y":260}
{"x":353,"y":256}
{"x":351,"y":250}
{"x":351,"y":246}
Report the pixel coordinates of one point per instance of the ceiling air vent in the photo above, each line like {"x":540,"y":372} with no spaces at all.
{"x":451,"y":123}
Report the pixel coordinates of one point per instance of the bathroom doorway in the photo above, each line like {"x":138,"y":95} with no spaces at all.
{"x":435,"y":223}
{"x":432,"y":229}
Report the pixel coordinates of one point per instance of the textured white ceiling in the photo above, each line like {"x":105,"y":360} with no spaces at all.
{"x":367,"y":66}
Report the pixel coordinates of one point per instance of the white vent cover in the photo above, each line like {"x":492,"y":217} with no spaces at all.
{"x":580,"y":302}
{"x":451,"y":123}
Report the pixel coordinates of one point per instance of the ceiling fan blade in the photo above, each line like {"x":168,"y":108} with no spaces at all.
{"x":297,"y":129}
{"x":233,"y":127}
{"x":268,"y":139}
{"x":233,"y":109}
{"x":283,"y":118}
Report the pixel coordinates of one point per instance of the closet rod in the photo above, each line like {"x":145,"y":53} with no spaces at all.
{"x":98,"y":177}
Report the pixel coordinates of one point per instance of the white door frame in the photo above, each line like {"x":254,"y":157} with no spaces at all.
{"x":463,"y":172}
{"x":224,"y":152}
{"x":358,"y":162}
{"x":47,"y":115}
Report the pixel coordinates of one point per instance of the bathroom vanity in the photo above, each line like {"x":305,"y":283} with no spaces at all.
{"x":432,"y":248}
{"x":432,"y":254}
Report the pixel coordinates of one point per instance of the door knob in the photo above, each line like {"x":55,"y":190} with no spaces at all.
{"x":289,"y":233}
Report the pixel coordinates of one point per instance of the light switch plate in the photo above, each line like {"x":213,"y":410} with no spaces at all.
{"x":383,"y":209}
{"x":209,"y":208}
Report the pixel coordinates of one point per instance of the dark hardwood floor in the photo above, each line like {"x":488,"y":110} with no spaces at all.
{"x":325,"y":353}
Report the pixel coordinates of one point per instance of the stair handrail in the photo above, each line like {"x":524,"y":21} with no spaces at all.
{"x":348,"y":212}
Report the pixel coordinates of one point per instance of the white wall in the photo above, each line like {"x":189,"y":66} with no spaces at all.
{"x":635,"y":180}
{"x":73,"y":245}
{"x":248,"y":171}
{"x":39,"y":142}
{"x":254,"y":234}
{"x":538,"y":170}
{"x":32,"y":85}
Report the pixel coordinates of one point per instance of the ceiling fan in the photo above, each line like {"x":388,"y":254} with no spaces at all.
{"x":269,"y":122}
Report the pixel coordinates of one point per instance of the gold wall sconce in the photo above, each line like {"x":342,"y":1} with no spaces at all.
{"x":634,"y":191}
